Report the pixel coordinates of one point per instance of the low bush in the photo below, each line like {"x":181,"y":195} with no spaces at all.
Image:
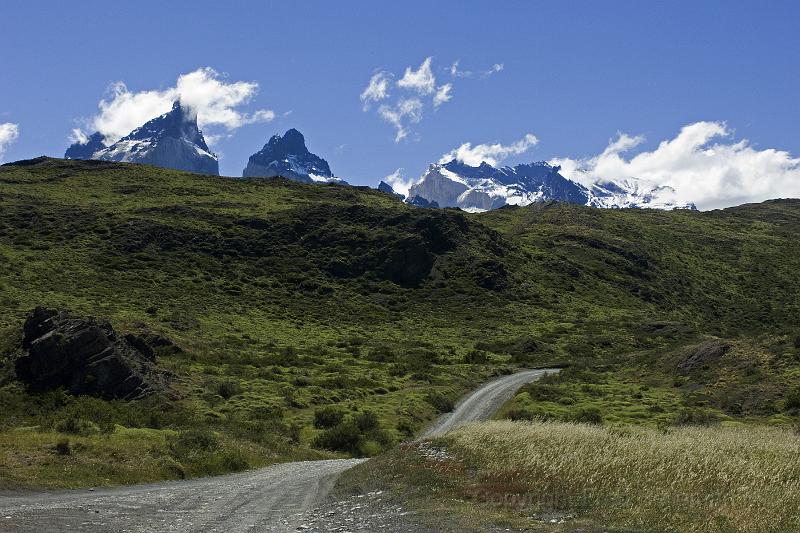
{"x":343,"y":437}
{"x":228,"y":388}
{"x":588,"y":415}
{"x":77,"y":426}
{"x":359,"y":434}
{"x":63,"y":447}
{"x":328,"y":417}
{"x":696,"y":416}
{"x":441,"y":402}
{"x":793,"y":399}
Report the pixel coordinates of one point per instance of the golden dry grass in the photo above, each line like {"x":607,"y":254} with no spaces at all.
{"x":683,"y":479}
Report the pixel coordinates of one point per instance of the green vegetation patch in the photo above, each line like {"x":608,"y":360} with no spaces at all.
{"x":283,"y":299}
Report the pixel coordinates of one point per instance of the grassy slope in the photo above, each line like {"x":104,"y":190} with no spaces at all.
{"x":557,"y":476}
{"x":288,"y":297}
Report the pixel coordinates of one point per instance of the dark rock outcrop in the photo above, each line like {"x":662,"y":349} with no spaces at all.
{"x":704,"y":353}
{"x":85,"y":356}
{"x":419,"y":201}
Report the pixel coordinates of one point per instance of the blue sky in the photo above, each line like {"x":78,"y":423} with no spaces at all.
{"x":573,"y":73}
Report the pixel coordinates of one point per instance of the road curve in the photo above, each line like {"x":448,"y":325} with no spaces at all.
{"x":484,"y":402}
{"x":260,"y":500}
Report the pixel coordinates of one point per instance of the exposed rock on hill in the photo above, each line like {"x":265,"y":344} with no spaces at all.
{"x":703,"y":354}
{"x":85,"y":356}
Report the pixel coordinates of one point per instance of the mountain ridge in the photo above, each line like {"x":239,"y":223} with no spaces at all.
{"x":485,"y":187}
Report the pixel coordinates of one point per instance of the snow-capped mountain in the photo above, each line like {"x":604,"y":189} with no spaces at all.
{"x":172,"y":140}
{"x":481,"y":188}
{"x":631,"y":193}
{"x":288,"y":157}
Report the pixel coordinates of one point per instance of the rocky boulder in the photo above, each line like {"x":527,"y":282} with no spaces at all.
{"x":703,"y":354}
{"x":86,"y":357}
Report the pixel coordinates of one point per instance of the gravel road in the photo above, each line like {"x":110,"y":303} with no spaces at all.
{"x":484,"y":402}
{"x":268,"y":499}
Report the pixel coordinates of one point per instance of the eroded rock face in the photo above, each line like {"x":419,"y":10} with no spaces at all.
{"x":703,"y":354}
{"x":85,"y":356}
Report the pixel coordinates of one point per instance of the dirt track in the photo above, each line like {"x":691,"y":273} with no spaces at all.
{"x":268,"y":499}
{"x":484,"y":402}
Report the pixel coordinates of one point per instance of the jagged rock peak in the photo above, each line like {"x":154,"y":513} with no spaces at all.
{"x":287,"y":156}
{"x":172,"y":140}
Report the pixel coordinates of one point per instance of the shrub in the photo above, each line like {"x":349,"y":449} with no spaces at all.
{"x":588,"y":415}
{"x":440,"y":402}
{"x":694,"y":416}
{"x":328,"y":417}
{"x":358,"y":435}
{"x":192,"y":441}
{"x":228,"y":389}
{"x":267,"y":412}
{"x":367,"y":421}
{"x":343,"y":437}
{"x":175,"y":468}
{"x":793,"y":399}
{"x":476,"y":357}
{"x":406,"y":428}
{"x":234,"y":461}
{"x":543,"y":392}
{"x":77,"y":426}
{"x":520,"y":414}
{"x":369,"y":448}
{"x":63,"y":447}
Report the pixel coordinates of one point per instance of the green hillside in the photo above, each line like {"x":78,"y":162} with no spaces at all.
{"x":312,"y":320}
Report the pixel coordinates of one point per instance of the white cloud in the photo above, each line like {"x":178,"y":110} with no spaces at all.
{"x":205,"y":91}
{"x":77,"y":136}
{"x":399,"y":183}
{"x":442,"y":94}
{"x":497,"y":67}
{"x":710,"y":174}
{"x":402,"y":110}
{"x":421,"y":80}
{"x":408,"y":108}
{"x":9,"y":133}
{"x":490,"y":153}
{"x":457,"y":73}
{"x":377,"y":89}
